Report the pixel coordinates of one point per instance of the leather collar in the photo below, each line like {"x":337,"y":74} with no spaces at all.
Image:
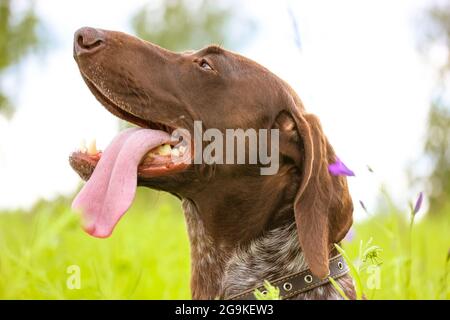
{"x":299,"y":282}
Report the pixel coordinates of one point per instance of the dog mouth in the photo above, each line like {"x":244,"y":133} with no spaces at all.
{"x":112,"y":175}
{"x":168,"y":157}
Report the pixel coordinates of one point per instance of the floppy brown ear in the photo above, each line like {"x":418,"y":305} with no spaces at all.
{"x":323,"y":206}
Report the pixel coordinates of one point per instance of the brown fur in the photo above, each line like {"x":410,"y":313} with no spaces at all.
{"x":236,"y":217}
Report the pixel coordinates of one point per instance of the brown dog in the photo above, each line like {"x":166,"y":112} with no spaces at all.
{"x":244,"y":227}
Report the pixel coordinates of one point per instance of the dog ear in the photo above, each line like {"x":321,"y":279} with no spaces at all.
{"x":323,"y":206}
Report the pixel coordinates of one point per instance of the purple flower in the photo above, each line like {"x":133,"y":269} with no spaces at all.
{"x":339,"y":169}
{"x":350,"y":235}
{"x":418,"y":203}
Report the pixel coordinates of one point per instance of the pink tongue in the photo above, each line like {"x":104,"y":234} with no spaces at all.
{"x":109,"y":192}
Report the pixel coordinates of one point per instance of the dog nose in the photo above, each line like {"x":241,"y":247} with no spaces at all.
{"x":87,"y":40}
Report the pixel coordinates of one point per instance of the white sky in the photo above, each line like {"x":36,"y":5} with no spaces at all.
{"x":358,"y":71}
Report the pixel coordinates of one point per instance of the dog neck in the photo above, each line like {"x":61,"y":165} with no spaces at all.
{"x":220,"y":269}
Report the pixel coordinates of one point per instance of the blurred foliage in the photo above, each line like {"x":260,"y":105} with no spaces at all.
{"x":180,"y":25}
{"x":18,"y":37}
{"x":437,"y":29}
{"x":437,"y":147}
{"x":436,"y":32}
{"x":147,"y":257}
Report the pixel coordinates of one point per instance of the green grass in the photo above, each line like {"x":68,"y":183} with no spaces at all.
{"x":415,"y":262}
{"x":147,"y":257}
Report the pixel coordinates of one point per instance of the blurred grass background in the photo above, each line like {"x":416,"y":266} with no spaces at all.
{"x":147,"y":257}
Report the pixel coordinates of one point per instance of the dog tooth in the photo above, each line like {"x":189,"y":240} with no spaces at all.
{"x":82,"y":146}
{"x":175,"y":152}
{"x":92,"y":148}
{"x":163,"y":150}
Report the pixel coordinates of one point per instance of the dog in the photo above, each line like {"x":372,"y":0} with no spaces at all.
{"x":243,"y":227}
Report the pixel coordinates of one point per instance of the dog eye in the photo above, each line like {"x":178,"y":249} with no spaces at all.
{"x":205,"y":65}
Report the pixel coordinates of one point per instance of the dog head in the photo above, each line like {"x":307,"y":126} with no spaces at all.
{"x":166,"y":91}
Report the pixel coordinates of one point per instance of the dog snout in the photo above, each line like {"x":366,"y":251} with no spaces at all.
{"x":88,"y":40}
